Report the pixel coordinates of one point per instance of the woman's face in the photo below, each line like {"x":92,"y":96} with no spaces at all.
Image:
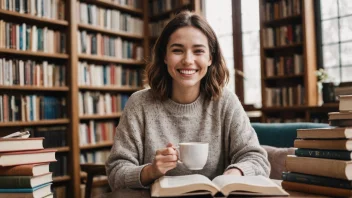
{"x":187,"y":57}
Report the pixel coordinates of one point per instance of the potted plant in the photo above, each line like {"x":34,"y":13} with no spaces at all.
{"x":326,"y":86}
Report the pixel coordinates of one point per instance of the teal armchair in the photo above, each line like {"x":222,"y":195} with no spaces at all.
{"x":281,"y":134}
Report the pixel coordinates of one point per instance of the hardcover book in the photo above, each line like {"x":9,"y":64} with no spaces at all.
{"x":25,"y":170}
{"x":171,"y":186}
{"x":27,"y":157}
{"x":20,"y":144}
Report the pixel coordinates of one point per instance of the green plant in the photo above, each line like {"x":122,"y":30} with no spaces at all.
{"x":322,"y":76}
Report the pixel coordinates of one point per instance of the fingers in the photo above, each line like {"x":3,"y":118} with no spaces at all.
{"x":166,"y":158}
{"x":166,"y":151}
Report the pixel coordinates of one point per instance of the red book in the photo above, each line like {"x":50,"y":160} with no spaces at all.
{"x":20,"y":144}
{"x":25,"y":170}
{"x":27,"y":157}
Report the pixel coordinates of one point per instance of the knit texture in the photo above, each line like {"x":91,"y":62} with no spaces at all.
{"x":148,"y":124}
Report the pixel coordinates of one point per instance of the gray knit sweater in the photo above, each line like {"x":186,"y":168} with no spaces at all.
{"x":148,"y":124}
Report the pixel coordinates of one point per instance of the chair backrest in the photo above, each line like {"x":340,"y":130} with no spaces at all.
{"x":281,"y":134}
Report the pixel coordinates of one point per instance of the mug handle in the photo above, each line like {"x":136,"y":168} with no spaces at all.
{"x":177,"y":148}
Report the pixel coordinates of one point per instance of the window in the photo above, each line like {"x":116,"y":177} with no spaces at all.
{"x":221,"y":22}
{"x":335,"y":18}
{"x":251,"y":52}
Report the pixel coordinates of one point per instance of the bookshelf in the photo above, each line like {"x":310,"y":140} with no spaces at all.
{"x":83,"y":56}
{"x":288,"y":60}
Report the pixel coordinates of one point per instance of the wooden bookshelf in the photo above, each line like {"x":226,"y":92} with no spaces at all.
{"x":109,"y":32}
{"x":34,"y":54}
{"x":35,"y":123}
{"x":293,"y":53}
{"x":109,"y":4}
{"x":60,"y":179}
{"x":107,"y":59}
{"x":34,"y":88}
{"x":97,"y":145}
{"x":167,"y":13}
{"x":62,"y":149}
{"x":33,"y":19}
{"x":100,"y":117}
{"x":110,"y":88}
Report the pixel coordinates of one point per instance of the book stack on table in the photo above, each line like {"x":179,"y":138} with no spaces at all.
{"x":24,"y":168}
{"x":322,"y":164}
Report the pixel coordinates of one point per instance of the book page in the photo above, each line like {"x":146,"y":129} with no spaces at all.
{"x":223,"y":180}
{"x":185,"y":180}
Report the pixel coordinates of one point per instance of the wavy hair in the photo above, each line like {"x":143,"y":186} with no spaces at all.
{"x":159,"y":79}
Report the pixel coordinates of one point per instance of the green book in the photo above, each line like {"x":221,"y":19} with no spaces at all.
{"x":7,"y":182}
{"x":328,"y":154}
{"x":316,"y":180}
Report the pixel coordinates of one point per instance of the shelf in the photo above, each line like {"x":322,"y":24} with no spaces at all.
{"x":110,"y":88}
{"x":35,"y":123}
{"x":286,"y":108}
{"x":29,"y":17}
{"x":284,"y":77}
{"x":109,"y":4}
{"x":62,"y":149}
{"x":32,"y":88}
{"x":107,"y":59}
{"x":166,"y":14}
{"x":34,"y":54}
{"x":97,"y":145}
{"x":61,"y":179}
{"x":100,"y":117}
{"x":97,"y":182}
{"x":111,"y":32}
{"x":284,"y":21}
{"x":284,"y":47}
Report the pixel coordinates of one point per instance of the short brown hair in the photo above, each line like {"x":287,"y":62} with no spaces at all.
{"x":156,"y":73}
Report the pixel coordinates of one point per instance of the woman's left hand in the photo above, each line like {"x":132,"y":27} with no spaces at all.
{"x":233,"y":171}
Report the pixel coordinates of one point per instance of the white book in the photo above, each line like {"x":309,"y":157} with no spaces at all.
{"x":345,"y":103}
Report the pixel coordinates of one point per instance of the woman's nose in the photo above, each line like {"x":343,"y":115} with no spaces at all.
{"x":188,"y":59}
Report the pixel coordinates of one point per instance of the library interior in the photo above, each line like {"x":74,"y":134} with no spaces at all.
{"x":69,"y":67}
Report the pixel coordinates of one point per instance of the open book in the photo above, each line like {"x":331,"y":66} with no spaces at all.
{"x":169,"y":186}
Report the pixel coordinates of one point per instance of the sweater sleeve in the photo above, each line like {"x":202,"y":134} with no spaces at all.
{"x":123,"y":165}
{"x":245,"y":151}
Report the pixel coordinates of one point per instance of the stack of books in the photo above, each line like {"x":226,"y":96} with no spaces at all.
{"x":24,"y":168}
{"x":322,"y":164}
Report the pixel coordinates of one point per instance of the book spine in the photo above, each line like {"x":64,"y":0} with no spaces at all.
{"x":329,"y":154}
{"x":25,"y":170}
{"x":316,"y":180}
{"x":15,"y":182}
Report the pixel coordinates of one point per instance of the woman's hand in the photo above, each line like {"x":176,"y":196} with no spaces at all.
{"x":165,"y":159}
{"x":233,"y":171}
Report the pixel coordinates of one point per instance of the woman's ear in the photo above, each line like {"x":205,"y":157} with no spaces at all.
{"x":210,"y":61}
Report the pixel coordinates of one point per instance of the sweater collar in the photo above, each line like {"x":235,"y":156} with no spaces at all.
{"x":193,"y":107}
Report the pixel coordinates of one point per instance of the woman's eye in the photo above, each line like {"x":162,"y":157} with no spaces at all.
{"x":199,"y":51}
{"x":177,"y":50}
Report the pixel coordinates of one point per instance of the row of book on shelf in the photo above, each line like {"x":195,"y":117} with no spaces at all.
{"x":24,"y":167}
{"x":108,"y":75}
{"x":284,"y":96}
{"x":31,"y":107}
{"x":98,"y":44}
{"x":30,"y":72}
{"x":284,"y":65}
{"x":95,"y":132}
{"x":51,"y":9}
{"x":97,"y":103}
{"x":109,"y":19}
{"x":282,"y":9}
{"x":323,"y":159}
{"x":30,"y":37}
{"x":159,"y":6}
{"x":281,"y":36}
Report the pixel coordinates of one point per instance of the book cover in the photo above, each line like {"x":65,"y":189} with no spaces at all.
{"x":329,"y":154}
{"x":325,"y":133}
{"x":25,"y":181}
{"x":25,"y":170}
{"x":316,"y":180}
{"x":27,"y":157}
{"x":315,"y":189}
{"x":324,"y":144}
{"x":340,"y":169}
{"x":20,"y":144}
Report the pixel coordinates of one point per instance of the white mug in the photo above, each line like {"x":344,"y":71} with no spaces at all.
{"x":193,"y":155}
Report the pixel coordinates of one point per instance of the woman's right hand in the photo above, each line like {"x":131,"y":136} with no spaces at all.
{"x":165,"y":159}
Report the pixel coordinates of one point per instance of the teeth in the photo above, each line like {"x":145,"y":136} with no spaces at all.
{"x":183,"y":71}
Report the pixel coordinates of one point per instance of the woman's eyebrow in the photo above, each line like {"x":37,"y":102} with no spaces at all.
{"x":176,"y":45}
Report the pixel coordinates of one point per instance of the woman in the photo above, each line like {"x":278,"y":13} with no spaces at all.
{"x":187,"y":102}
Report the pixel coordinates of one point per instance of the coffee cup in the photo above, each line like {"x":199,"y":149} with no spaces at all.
{"x":193,"y":155}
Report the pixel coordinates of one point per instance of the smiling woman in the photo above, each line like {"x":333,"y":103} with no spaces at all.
{"x":186,"y":102}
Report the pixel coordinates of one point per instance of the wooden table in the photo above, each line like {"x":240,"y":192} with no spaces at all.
{"x":134,"y":193}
